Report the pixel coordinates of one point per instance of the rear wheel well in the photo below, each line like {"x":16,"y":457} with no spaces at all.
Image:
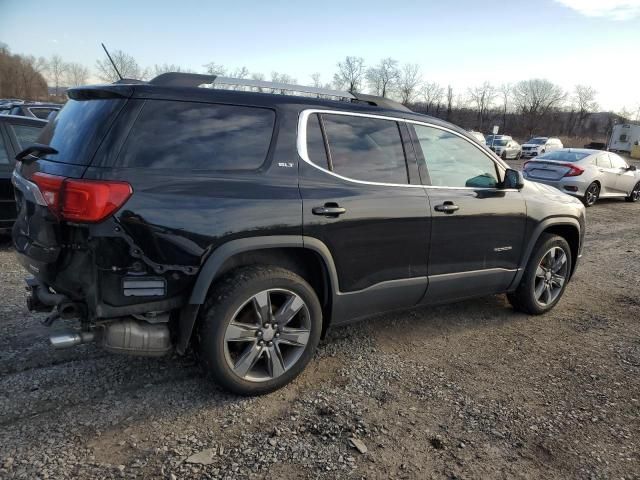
{"x":571,"y":234}
{"x":304,"y":262}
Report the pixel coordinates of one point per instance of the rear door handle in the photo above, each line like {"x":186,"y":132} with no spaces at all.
{"x":329,"y":210}
{"x":447,"y":207}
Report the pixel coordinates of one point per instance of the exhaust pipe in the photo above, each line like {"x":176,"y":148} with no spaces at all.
{"x":71,"y":339}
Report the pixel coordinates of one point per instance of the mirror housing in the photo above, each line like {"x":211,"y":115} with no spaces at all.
{"x":513,"y":179}
{"x":632,"y":168}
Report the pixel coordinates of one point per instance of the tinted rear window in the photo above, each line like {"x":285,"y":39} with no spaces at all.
{"x":76,"y":132}
{"x":199,"y":136}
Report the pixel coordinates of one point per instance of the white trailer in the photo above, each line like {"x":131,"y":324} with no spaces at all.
{"x":624,"y":137}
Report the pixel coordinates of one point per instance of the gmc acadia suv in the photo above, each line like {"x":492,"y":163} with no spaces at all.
{"x":245,"y":218}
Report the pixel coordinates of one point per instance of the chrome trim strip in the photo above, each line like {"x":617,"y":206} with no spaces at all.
{"x":289,"y":87}
{"x":301,"y":145}
{"x":471,"y":272}
{"x":397,"y":282}
{"x":28,"y":188}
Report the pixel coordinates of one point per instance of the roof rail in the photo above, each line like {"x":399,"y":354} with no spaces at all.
{"x":381,"y":102}
{"x":179,"y":79}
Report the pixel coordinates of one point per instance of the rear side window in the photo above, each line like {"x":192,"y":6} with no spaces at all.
{"x":41,"y":112}
{"x":603,"y":161}
{"x":76,"y":132}
{"x":4,"y":156}
{"x":198,"y":136}
{"x":26,"y":135}
{"x":315,"y":142}
{"x":364,"y":148}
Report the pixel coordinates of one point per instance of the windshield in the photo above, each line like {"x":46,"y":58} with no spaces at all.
{"x":498,"y":142}
{"x":78,"y":129}
{"x":564,"y":156}
{"x":537,"y":141}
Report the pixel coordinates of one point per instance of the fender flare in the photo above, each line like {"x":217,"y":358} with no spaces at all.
{"x":220,"y":255}
{"x":535,"y":235}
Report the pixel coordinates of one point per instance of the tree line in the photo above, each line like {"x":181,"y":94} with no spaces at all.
{"x":522,"y":108}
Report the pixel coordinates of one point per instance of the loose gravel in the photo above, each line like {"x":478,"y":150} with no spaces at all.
{"x":471,"y":390}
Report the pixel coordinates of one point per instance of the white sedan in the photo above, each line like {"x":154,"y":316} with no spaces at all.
{"x":587,"y":174}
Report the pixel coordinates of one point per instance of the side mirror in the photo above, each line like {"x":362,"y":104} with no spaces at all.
{"x":513,"y":179}
{"x":632,"y":168}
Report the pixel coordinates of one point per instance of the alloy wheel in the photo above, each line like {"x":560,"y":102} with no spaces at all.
{"x":635,"y":194}
{"x":591,"y":195}
{"x":267,"y":335}
{"x":551,"y":276}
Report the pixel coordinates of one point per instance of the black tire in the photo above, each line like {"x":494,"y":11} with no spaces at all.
{"x":518,"y":155}
{"x":504,"y":155}
{"x":634,"y":196}
{"x":524,"y":298}
{"x":591,"y":195}
{"x":224,"y":301}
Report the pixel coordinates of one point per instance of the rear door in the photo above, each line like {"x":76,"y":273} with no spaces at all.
{"x":366,"y":204}
{"x":477,"y":232}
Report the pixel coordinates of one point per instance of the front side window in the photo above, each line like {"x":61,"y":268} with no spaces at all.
{"x":26,"y":135}
{"x":453,"y":161}
{"x":617,"y":162}
{"x":198,"y":136}
{"x":364,"y":148}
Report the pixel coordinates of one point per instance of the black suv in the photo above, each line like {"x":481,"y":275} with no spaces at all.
{"x":246,"y":218}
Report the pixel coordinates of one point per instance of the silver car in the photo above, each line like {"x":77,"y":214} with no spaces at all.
{"x":587,"y":174}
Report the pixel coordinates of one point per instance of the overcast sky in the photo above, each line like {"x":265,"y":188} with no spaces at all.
{"x":460,"y":42}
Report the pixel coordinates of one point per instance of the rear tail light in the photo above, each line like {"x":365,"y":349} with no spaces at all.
{"x":83,"y":201}
{"x":574,"y":171}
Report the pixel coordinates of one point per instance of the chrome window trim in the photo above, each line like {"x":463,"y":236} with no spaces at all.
{"x":301,"y":144}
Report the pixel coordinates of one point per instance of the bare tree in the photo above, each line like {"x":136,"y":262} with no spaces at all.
{"x":584,"y":102}
{"x":21,"y":76}
{"x":383,"y":78}
{"x":409,"y":82}
{"x":505,"y":94}
{"x":242,"y":72}
{"x":282,"y":78}
{"x":76,"y":74}
{"x":316,"y":79}
{"x":56,"y":71}
{"x":350,"y":73}
{"x":126,"y":64}
{"x":214,"y":68}
{"x":449,"y":101}
{"x":257,"y":76}
{"x":482,"y":97}
{"x":168,"y":68}
{"x":432,"y":94}
{"x":535,"y":99}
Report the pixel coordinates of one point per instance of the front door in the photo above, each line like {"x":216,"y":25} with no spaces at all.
{"x":367,"y":207}
{"x":477,"y":231}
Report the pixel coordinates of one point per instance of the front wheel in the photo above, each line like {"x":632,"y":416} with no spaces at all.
{"x":518,"y":155}
{"x":634,"y":196}
{"x":591,"y":195}
{"x":260,"y":327}
{"x":545,"y":277}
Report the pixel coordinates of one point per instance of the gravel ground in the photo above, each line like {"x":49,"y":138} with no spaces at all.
{"x":472,"y":390}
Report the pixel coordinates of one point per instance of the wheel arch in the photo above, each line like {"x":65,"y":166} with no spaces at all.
{"x":567,"y":227}
{"x":305,"y":256}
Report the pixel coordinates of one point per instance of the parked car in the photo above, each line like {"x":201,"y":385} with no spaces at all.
{"x":586,"y":174}
{"x":478,"y":136}
{"x":15,"y":134}
{"x":539,"y":145}
{"x":506,"y":148}
{"x":491,"y":138}
{"x":247,"y":224}
{"x":34,"y":110}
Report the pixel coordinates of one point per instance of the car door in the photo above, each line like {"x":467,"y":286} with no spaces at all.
{"x":366,"y":205}
{"x":477,"y":229}
{"x":607,"y":175}
{"x":625,"y":179}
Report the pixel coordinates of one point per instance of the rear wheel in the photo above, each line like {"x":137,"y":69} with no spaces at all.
{"x":634,"y":196}
{"x":545,"y":278}
{"x":504,"y":155}
{"x":591,"y":195}
{"x":518,"y":155}
{"x":259,"y":329}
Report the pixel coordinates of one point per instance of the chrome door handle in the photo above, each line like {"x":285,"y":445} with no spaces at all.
{"x":447,"y":207}
{"x":329,"y":210}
